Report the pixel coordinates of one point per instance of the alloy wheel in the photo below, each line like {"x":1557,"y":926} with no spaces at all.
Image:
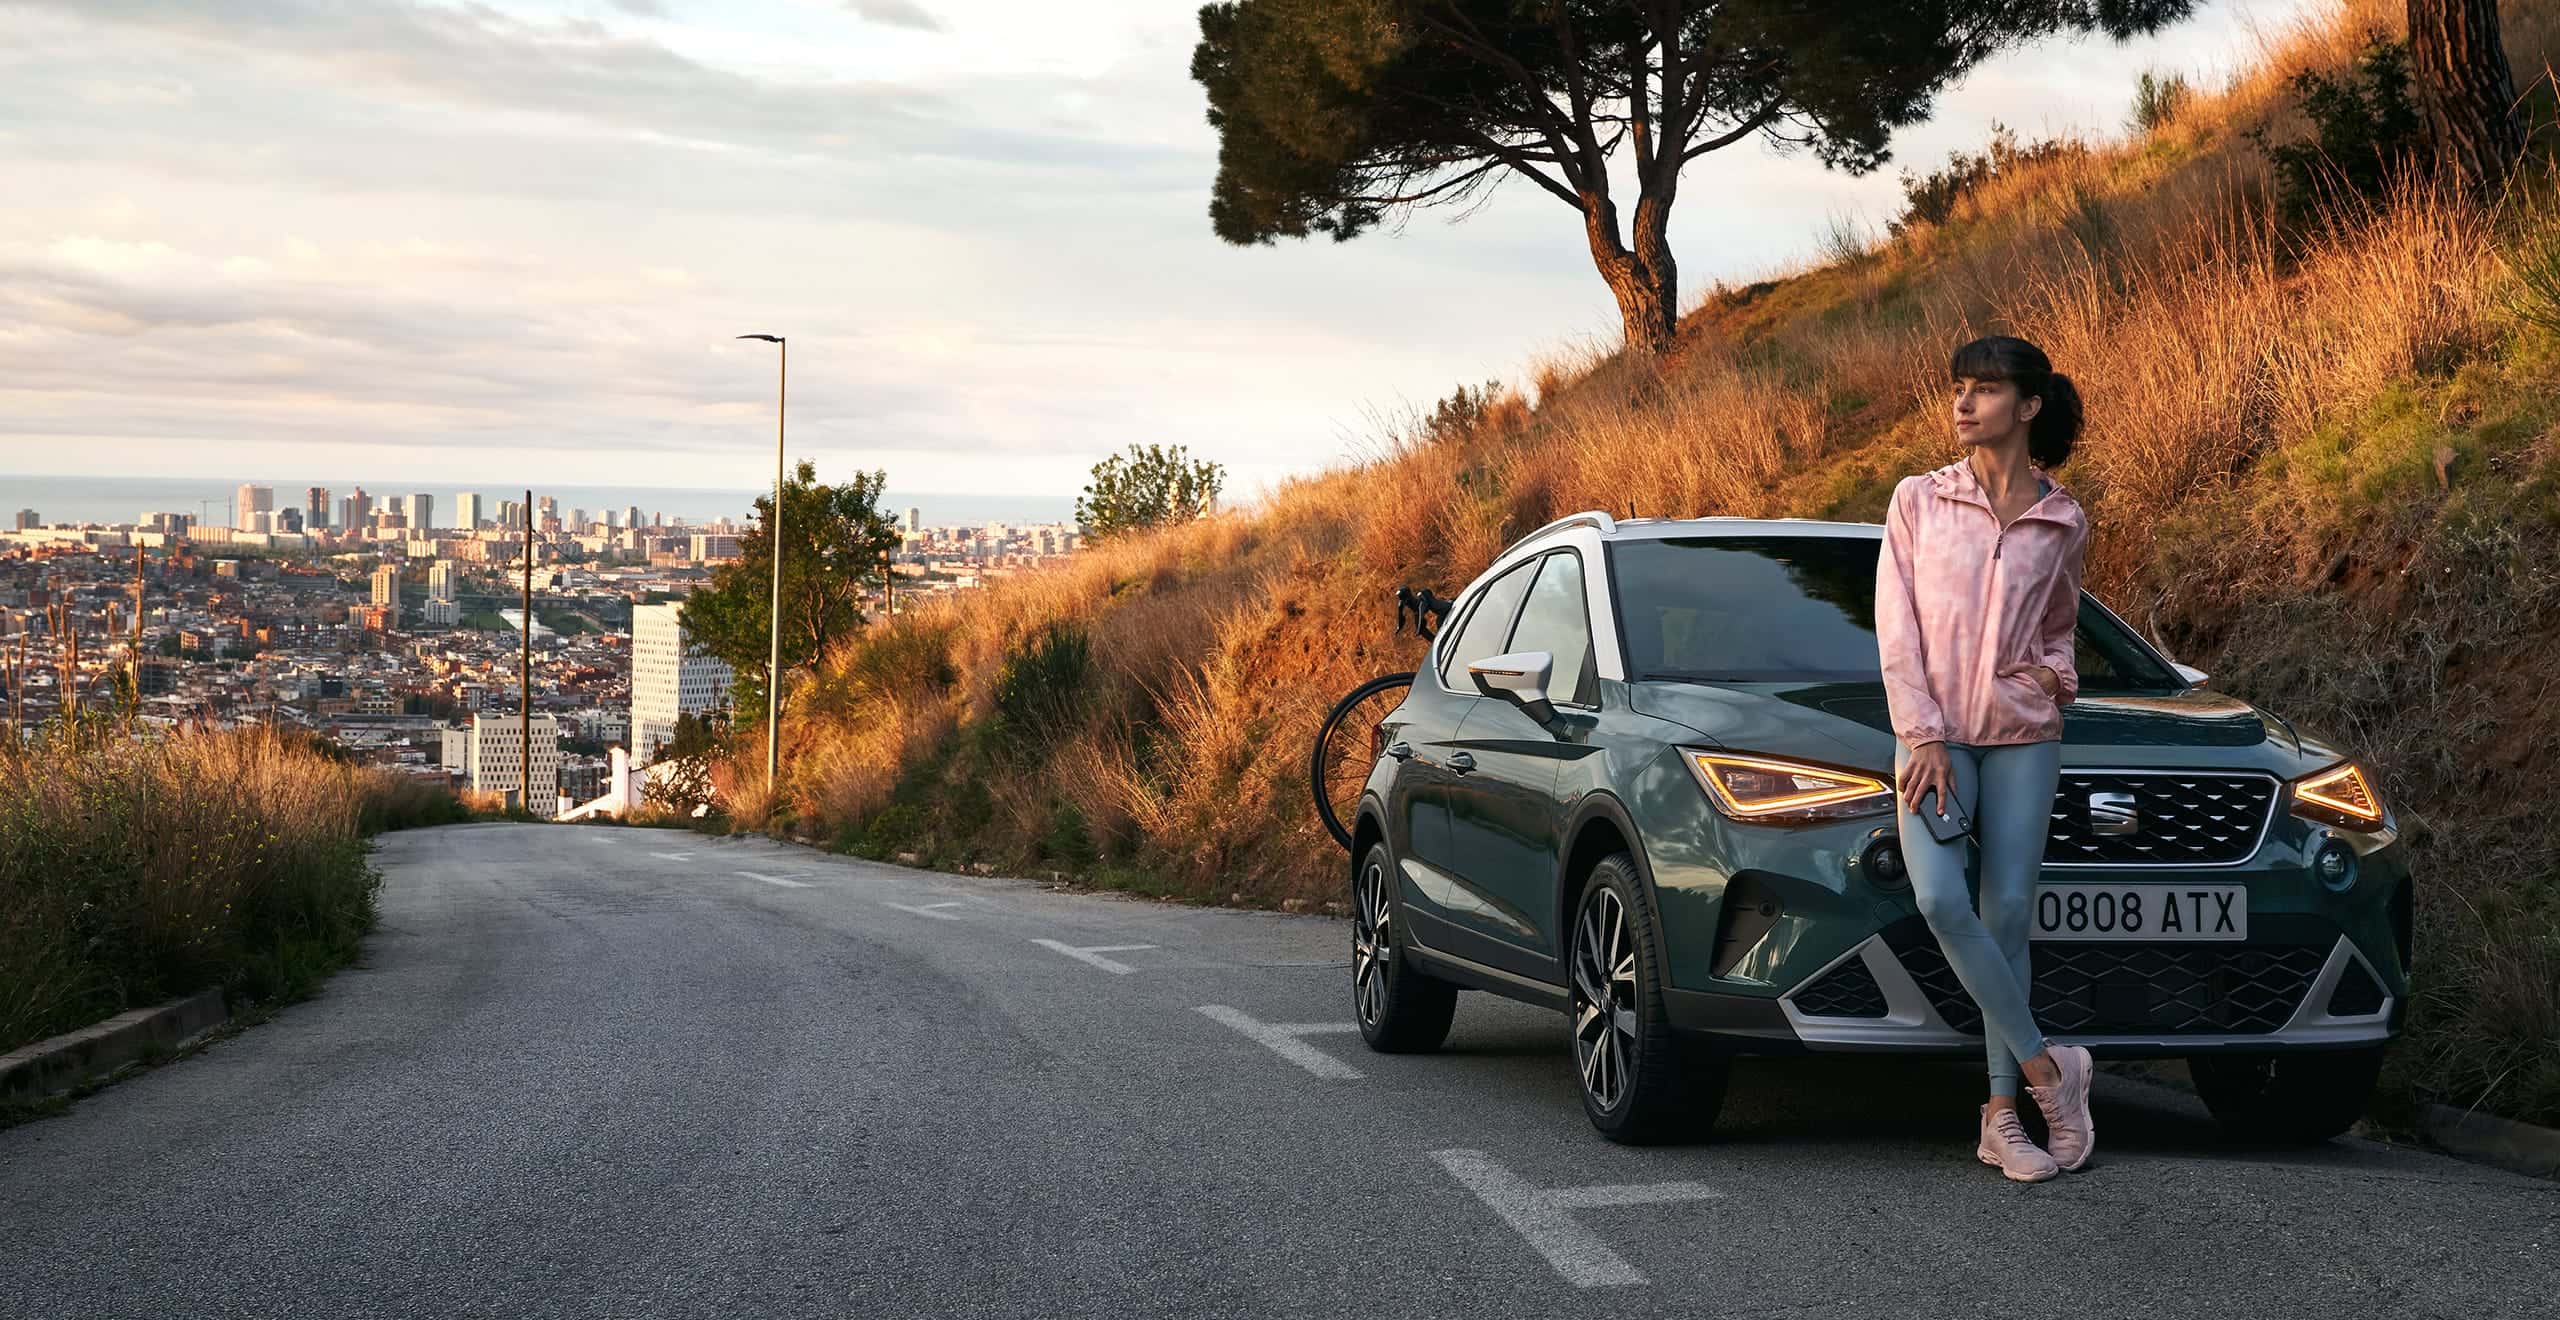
{"x":1369,"y":947}
{"x":1604,"y":998}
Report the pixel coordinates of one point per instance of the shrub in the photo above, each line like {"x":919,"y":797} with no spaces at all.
{"x":1039,"y":685}
{"x":2157,"y":98}
{"x":1930,"y":199}
{"x":2365,"y":133}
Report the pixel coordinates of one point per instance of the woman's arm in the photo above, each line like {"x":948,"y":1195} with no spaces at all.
{"x":1915,"y":714}
{"x":2060,"y":631}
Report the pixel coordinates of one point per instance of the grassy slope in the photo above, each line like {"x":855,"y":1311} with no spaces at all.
{"x":2265,"y":420}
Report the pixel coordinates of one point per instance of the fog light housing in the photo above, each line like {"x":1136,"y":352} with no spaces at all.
{"x":2335,"y":864}
{"x":1882,"y":865}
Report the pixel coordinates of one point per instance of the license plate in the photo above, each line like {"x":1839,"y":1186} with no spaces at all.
{"x":2163,"y":913}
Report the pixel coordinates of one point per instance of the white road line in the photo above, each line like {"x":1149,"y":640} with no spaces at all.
{"x":673,"y":857}
{"x":1546,"y":1220}
{"x":1282,"y":1039}
{"x":928,"y":909}
{"x":776,"y":880}
{"x":1094,"y":954}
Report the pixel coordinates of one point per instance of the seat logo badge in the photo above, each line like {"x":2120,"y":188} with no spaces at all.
{"x":2112,"y":813}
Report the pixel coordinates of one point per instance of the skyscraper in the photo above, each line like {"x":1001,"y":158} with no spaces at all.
{"x":315,"y":508}
{"x":915,"y":519}
{"x":631,"y":515}
{"x":386,"y":587}
{"x":355,"y":512}
{"x":466,"y":511}
{"x":669,"y":677}
{"x":440,"y":580}
{"x":249,"y":500}
{"x":422,"y":512}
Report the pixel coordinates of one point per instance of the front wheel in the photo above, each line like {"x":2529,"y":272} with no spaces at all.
{"x":2289,"y":1099}
{"x":1402,"y":1009}
{"x":1640,"y":1082}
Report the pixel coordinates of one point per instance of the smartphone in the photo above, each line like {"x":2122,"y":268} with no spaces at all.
{"x":1946,"y":828}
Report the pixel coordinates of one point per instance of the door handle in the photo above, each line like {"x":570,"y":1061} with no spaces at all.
{"x":1400,"y":750}
{"x":1462,"y":763}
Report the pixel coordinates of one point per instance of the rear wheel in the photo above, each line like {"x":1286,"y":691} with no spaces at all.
{"x":1641,"y":1083}
{"x":1402,"y":1009}
{"x":2291,"y":1099}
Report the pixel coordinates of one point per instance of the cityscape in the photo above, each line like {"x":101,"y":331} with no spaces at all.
{"x":392,"y":624}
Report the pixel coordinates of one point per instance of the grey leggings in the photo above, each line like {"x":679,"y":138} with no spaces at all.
{"x":2008,"y":791}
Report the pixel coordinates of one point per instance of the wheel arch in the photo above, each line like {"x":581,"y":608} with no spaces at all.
{"x":1369,"y":826}
{"x":1600,"y":826}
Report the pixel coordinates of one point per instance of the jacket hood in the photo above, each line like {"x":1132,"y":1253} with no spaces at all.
{"x":1956,"y":481}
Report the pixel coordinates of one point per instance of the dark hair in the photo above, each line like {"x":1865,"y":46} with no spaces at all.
{"x":2003,"y":357}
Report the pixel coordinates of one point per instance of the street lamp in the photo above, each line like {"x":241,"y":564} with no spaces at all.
{"x":773,"y":533}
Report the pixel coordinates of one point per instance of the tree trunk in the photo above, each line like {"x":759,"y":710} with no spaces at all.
{"x":1644,"y":281}
{"x":2465,"y":89}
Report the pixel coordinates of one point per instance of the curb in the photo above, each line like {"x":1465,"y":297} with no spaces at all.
{"x":63,"y":1063}
{"x":2522,"y":1147}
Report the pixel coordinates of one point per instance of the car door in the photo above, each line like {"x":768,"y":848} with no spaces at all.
{"x":1505,"y":823}
{"x":1428,"y":769}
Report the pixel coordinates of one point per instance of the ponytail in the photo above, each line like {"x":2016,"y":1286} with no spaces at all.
{"x":2056,"y":426}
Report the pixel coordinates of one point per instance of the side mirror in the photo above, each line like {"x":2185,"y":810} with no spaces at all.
{"x":1520,"y":678}
{"x":2195,"y":677}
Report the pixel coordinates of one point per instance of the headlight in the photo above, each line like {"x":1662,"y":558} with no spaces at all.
{"x":1763,"y":789}
{"x":2339,"y":795}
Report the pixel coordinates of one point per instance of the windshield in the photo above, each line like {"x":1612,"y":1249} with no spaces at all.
{"x":1800,"y":609}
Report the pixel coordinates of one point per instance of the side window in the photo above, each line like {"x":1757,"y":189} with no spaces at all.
{"x":1488,"y":625}
{"x":1557,"y":621}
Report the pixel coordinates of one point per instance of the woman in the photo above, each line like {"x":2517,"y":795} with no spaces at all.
{"x":1977,"y":600}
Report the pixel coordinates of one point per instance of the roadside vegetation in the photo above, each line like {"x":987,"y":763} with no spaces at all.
{"x":135,"y":871}
{"x":2323,"y":463}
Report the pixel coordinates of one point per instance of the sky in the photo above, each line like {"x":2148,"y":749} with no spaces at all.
{"x":505,"y":242}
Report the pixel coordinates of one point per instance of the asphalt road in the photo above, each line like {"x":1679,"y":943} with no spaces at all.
{"x":607,"y":1072}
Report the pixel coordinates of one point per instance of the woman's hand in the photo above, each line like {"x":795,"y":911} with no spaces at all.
{"x":2044,"y":676}
{"x":1927,"y":768}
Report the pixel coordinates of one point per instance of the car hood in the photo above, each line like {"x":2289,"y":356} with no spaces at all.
{"x":1847,"y":724}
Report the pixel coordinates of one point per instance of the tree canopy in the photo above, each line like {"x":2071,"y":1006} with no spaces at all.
{"x":1147,"y":487}
{"x":1335,"y":116}
{"x":834,"y":539}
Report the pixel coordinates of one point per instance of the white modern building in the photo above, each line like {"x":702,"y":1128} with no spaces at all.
{"x":386,"y":586}
{"x":422,"y":511}
{"x":668,"y":678}
{"x":440,"y":580}
{"x":497,"y":757}
{"x":466,"y":511}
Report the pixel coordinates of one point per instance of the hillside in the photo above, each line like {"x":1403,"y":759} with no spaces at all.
{"x":2322,"y":464}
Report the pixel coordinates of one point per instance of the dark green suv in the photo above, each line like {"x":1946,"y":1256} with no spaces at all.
{"x":1645,"y":777}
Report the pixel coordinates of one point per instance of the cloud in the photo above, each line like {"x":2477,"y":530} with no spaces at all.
{"x":894,"y":13}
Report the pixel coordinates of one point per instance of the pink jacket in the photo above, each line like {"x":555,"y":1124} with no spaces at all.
{"x":1964,"y":608}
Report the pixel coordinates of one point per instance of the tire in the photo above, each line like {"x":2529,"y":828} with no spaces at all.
{"x":2300,"y":1098}
{"x":1401,"y":1009}
{"x":1641,"y":1083}
{"x":1334,"y":752}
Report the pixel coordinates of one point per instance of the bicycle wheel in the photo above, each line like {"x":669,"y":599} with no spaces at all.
{"x":1347,"y":746}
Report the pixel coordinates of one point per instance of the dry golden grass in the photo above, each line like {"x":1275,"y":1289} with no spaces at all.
{"x":2221,"y":362}
{"x":134,"y":871}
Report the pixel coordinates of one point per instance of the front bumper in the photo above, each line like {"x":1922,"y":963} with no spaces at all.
{"x":1893,"y":993}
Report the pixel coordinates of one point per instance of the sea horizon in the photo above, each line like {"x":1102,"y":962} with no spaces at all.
{"x":96,"y":499}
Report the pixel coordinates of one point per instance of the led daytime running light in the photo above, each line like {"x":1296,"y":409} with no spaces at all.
{"x":1833,"y":785}
{"x":2342,"y":790}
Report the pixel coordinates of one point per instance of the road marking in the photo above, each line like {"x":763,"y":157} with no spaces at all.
{"x":673,"y":857}
{"x":928,"y":909}
{"x":1282,"y":1038}
{"x":1094,"y":954}
{"x":1545,"y":1218}
{"x":776,"y":880}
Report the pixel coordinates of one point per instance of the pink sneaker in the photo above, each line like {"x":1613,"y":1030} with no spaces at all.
{"x":2005,"y":1147}
{"x":2066,"y":1107}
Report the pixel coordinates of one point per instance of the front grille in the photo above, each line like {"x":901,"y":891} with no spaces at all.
{"x":2118,"y":989}
{"x":2179,"y":819}
{"x":1848,"y":990}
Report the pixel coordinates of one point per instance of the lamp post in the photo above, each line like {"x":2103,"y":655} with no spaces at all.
{"x":773,"y":534}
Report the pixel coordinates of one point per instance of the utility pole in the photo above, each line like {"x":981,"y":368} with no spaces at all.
{"x":524,"y":697}
{"x":137,"y":629}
